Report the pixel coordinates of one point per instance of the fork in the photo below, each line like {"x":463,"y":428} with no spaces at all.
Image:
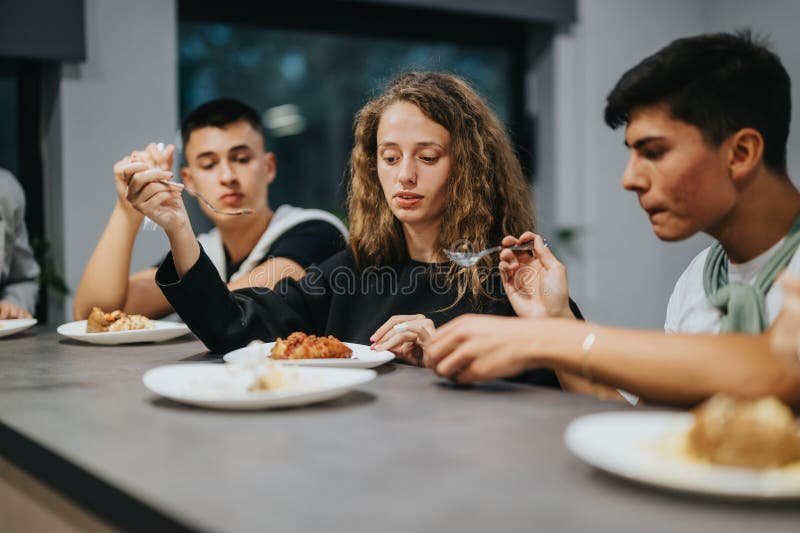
{"x":469,"y":259}
{"x":192,"y":192}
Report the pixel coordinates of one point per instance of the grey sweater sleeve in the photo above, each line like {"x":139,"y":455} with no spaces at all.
{"x":19,"y":272}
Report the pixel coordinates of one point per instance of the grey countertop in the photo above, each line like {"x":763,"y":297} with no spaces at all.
{"x":406,"y":452}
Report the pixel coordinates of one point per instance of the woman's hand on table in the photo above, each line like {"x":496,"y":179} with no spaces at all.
{"x":536,"y":285}
{"x":9,"y":310}
{"x":405,"y":336}
{"x":480,"y":347}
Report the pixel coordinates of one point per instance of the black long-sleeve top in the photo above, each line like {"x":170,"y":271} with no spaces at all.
{"x":334,"y":298}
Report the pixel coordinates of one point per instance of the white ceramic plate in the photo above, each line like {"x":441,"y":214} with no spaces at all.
{"x":161,"y":331}
{"x":363,"y":357}
{"x":226,"y":386}
{"x":15,"y":325}
{"x":645,"y":447}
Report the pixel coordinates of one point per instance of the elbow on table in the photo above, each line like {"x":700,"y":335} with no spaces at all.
{"x":221,"y":344}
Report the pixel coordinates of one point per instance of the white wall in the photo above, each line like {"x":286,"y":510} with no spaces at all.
{"x":777,"y":20}
{"x":123,"y":96}
{"x":619,"y":272}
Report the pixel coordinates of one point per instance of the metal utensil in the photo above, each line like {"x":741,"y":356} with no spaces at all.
{"x":469,"y":259}
{"x":192,"y":192}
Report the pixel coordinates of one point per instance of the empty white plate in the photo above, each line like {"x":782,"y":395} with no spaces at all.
{"x":15,"y":325}
{"x":162,"y":331}
{"x":363,"y":357}
{"x":646,"y":447}
{"x":227,"y":386}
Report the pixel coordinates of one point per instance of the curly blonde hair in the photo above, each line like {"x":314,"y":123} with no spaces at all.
{"x":487,"y":197}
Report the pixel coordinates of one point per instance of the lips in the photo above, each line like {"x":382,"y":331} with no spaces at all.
{"x":406,"y":199}
{"x":231,"y":198}
{"x":651,"y":209}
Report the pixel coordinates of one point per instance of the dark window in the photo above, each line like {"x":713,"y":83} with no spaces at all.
{"x":308,"y":69}
{"x":9,"y":140}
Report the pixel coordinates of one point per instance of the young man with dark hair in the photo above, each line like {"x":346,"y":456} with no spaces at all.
{"x":226,"y":162}
{"x":707,"y":124}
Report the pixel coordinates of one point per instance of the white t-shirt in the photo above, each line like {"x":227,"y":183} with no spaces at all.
{"x":689,"y":310}
{"x":285,"y":218}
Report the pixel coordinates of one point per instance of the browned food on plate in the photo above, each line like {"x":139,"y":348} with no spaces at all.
{"x":102,"y":322}
{"x":752,"y":433}
{"x":298,"y":345}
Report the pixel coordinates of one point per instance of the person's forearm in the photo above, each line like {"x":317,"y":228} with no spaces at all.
{"x":224,"y":320}
{"x":185,"y":248}
{"x":677,"y":369}
{"x":576,"y":383}
{"x":268,"y":273}
{"x":105,"y":279}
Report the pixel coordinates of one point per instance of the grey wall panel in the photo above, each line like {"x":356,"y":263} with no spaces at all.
{"x":42,"y":29}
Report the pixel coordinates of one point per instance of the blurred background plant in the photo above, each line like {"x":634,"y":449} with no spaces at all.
{"x":51,"y":280}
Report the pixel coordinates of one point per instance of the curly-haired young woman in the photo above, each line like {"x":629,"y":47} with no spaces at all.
{"x":432,"y":168}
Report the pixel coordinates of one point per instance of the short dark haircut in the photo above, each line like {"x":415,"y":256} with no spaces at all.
{"x":719,"y":83}
{"x":218,"y":114}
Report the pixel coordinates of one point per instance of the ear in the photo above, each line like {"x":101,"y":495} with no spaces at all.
{"x":746,"y":152}
{"x":271,"y":165}
{"x":186,"y":176}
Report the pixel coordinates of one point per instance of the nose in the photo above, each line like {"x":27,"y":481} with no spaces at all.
{"x":635,"y":176}
{"x":226,"y":173}
{"x":407,"y":172}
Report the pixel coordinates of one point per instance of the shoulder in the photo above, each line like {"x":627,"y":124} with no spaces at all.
{"x":794,"y":263}
{"x":308,"y":241}
{"x":291,"y":217}
{"x":10,"y":189}
{"x":695,"y":268}
{"x":311,"y":228}
{"x":688,"y":287}
{"x":316,"y":240}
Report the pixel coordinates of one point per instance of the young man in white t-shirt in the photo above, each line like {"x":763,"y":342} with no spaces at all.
{"x":707,"y":124}
{"x":689,"y":309}
{"x":226,"y":161}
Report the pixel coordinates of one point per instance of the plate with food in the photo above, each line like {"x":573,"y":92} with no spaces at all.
{"x":118,"y":327}
{"x":252,"y":385}
{"x":311,"y":350}
{"x":748,"y":449}
{"x":15,"y":325}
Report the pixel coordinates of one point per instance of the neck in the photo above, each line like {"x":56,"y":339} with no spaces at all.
{"x":422,"y":241}
{"x":241,"y":234}
{"x":763,"y":215}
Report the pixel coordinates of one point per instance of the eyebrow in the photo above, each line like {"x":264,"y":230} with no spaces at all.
{"x":424,"y":143}
{"x":210,"y":153}
{"x":644,"y":140}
